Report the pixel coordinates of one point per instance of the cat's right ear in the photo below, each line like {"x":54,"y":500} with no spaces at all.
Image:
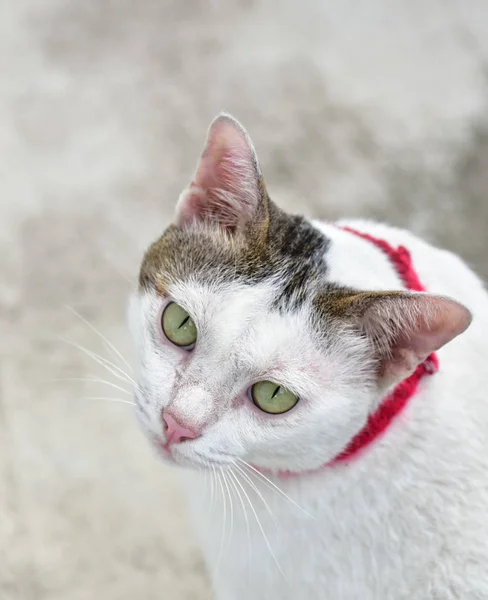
{"x":227,"y":188}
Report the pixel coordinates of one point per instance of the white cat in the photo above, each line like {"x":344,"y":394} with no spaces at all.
{"x":288,"y":367}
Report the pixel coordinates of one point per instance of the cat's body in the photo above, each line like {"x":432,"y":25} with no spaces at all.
{"x":406,"y":519}
{"x":317,"y":310}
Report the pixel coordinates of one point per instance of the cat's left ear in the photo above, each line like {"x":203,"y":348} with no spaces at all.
{"x":227,"y":188}
{"x":404,"y":328}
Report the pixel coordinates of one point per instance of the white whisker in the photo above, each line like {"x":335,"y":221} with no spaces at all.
{"x":231,"y":504}
{"x":108,"y":399}
{"x":255,"y":488}
{"x":100,"y":334}
{"x":246,"y":520}
{"x":212,"y":490}
{"x":94,"y":380}
{"x":275,"y":487}
{"x":104,"y":362}
{"x":118,"y":271}
{"x":205,"y":486}
{"x":265,"y":537}
{"x":224,"y":524}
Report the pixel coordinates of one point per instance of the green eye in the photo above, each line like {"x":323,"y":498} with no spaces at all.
{"x":272,"y":398}
{"x":178,"y":326}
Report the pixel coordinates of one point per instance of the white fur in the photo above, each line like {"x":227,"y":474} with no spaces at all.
{"x":406,"y":519}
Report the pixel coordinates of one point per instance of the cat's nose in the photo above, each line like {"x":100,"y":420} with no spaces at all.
{"x":175,"y":432}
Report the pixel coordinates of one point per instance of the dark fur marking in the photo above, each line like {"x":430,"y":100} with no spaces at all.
{"x":275,"y":245}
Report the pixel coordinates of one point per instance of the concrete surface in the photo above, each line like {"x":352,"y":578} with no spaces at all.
{"x":375,"y":109}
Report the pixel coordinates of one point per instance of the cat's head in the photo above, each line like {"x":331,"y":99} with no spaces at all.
{"x":245,"y":349}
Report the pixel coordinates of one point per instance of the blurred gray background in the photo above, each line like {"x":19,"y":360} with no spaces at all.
{"x":376,"y":109}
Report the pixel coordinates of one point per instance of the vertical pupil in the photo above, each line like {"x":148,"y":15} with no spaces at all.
{"x":184,"y":321}
{"x":275,"y":392}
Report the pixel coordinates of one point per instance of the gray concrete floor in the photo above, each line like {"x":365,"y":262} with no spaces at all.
{"x":377,"y":110}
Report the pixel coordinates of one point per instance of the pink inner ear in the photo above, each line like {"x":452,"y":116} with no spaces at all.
{"x":439,"y":321}
{"x":225,"y":188}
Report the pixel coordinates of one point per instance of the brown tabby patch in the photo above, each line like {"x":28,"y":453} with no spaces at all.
{"x":274,"y":245}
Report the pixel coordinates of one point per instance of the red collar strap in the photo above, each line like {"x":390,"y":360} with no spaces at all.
{"x":393,"y":404}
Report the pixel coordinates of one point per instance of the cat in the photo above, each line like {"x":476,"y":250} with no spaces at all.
{"x":330,"y":426}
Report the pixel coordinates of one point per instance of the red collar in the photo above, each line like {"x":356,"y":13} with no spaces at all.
{"x":393,"y":404}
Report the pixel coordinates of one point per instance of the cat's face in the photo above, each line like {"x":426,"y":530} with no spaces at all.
{"x":244,"y":350}
{"x":214,"y":388}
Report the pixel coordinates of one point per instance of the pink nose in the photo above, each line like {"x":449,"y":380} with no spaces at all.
{"x":176,"y":433}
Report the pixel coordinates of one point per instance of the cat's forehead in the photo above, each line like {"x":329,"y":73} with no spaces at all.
{"x":209,"y":298}
{"x":289,"y":252}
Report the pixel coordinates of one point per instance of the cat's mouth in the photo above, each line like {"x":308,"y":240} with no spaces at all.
{"x":194,"y":459}
{"x":165,"y":447}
